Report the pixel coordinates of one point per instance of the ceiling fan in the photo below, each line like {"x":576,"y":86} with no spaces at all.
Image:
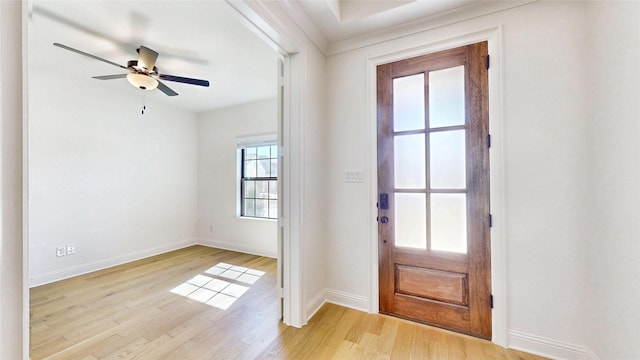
{"x":143,"y":72}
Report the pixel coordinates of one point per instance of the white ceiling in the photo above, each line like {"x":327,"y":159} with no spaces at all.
{"x":197,"y":39}
{"x":202,"y":39}
{"x":339,"y":20}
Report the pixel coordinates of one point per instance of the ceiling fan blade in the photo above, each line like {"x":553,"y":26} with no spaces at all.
{"x":89,"y":55}
{"x":185,"y":80}
{"x":165,"y":89}
{"x":147,"y":57}
{"x":109,"y":77}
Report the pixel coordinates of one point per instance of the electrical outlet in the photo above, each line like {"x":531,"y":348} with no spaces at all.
{"x":61,"y":251}
{"x":71,"y":249}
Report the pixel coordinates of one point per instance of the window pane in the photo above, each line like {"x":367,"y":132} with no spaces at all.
{"x":449,"y":222}
{"x":274,"y":167}
{"x":250,"y":168}
{"x":249,"y":207}
{"x":262,"y":189}
{"x":264,"y":152}
{"x":409,"y":161}
{"x":447,"y":155}
{"x":273,"y":189}
{"x":262,"y":208}
{"x":411,"y":220}
{"x":446,"y":97}
{"x":408,"y":103}
{"x":264,"y":167}
{"x":250,"y":153}
{"x":274,"y":151}
{"x":249,"y":189}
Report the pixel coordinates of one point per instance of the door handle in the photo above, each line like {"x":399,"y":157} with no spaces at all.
{"x":384,"y":219}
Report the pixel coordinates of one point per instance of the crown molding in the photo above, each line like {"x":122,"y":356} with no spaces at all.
{"x":423,"y":24}
{"x":300,"y":18}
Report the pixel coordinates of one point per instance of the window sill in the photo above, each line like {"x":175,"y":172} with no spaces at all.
{"x":255,"y":218}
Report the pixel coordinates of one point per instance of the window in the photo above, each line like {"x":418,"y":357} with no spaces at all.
{"x":259,"y":181}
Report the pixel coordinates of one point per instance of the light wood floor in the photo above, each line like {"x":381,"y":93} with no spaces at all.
{"x":129,"y":312}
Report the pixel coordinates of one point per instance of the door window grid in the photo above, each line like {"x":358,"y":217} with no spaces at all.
{"x":446,"y":124}
{"x":259,"y":182}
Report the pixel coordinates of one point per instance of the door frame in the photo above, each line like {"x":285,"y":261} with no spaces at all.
{"x":260,"y":18}
{"x":498,"y":244}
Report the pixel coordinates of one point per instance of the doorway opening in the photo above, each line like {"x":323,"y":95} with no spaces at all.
{"x":83,"y":115}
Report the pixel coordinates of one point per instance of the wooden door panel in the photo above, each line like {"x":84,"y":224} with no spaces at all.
{"x":445,"y":262}
{"x":432,"y":284}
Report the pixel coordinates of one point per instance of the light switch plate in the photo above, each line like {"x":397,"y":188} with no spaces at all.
{"x":354,"y":176}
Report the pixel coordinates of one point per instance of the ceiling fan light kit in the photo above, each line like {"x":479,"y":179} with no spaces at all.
{"x":141,"y":81}
{"x":143,"y":74}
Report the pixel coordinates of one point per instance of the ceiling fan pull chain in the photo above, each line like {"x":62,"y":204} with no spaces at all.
{"x":144,"y":107}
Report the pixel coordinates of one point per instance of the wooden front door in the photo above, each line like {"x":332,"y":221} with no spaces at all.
{"x":433,"y":183}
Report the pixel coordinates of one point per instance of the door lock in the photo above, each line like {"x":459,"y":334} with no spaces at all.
{"x":384,"y":201}
{"x":384,"y":219}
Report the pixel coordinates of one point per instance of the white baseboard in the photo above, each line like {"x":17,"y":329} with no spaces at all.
{"x":337,"y":297}
{"x":346,"y":299}
{"x":66,"y":273}
{"x":235,"y":247}
{"x":314,"y":305}
{"x":547,"y":347}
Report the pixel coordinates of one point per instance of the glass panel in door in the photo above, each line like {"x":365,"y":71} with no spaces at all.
{"x":408,"y":103}
{"x":410,"y":217}
{"x":446,"y":97}
{"x":447,"y":160}
{"x":449,"y":222}
{"x":409,"y":161}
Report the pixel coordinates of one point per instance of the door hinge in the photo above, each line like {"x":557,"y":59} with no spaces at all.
{"x":489,"y":140}
{"x":487,"y":62}
{"x":490,"y":220}
{"x":491,"y":301}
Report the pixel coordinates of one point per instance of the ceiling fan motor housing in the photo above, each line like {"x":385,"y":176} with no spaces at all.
{"x":133,"y":65}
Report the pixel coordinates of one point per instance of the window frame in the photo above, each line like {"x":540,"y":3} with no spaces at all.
{"x":243,"y":179}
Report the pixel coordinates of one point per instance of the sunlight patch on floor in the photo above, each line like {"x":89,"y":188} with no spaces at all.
{"x":219,"y":286}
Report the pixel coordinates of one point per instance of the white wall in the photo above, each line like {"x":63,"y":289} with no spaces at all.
{"x":116,"y":184}
{"x":313,"y":164}
{"x":12,"y":313}
{"x":545,"y":166}
{"x":218,"y":224}
{"x":614,"y":110}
